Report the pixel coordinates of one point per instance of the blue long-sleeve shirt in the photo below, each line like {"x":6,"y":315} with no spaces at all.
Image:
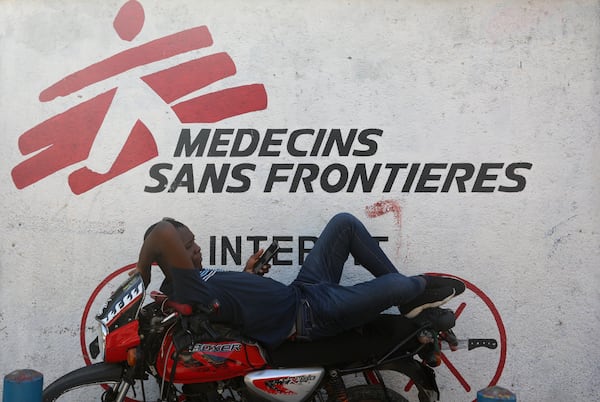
{"x":261,"y":308}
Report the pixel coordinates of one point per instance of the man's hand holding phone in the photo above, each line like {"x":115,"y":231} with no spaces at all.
{"x":259,"y":262}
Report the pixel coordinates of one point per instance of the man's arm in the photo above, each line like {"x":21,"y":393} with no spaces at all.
{"x":164,"y":244}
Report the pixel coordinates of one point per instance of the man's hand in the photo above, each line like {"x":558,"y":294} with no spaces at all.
{"x":253,"y":260}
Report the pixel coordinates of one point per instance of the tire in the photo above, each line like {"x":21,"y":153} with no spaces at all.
{"x":375,"y":393}
{"x":89,"y":377}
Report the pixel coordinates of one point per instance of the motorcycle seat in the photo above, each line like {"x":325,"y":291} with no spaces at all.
{"x":367,"y":343}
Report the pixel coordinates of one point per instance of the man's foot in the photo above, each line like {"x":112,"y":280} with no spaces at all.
{"x":436,"y":282}
{"x":429,"y":298}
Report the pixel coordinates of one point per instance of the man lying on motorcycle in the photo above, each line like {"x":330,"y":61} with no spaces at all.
{"x":314,"y":305}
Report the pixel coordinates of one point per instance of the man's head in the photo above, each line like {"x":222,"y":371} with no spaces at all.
{"x":187,"y":238}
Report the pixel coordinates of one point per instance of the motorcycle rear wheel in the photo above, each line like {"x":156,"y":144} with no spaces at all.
{"x":85,"y":377}
{"x":373,"y":393}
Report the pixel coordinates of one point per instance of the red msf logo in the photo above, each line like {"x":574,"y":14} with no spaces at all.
{"x":95,"y":133}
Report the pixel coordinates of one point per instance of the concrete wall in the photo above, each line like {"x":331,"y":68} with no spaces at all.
{"x":477,"y":121}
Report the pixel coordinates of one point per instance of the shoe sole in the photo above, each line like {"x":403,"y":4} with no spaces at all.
{"x":417,"y":310}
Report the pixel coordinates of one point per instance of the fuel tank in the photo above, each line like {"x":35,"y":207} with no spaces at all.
{"x":209,"y":361}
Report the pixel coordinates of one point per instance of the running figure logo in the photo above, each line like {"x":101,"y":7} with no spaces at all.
{"x":94,"y":133}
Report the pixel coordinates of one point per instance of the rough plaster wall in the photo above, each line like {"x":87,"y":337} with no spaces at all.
{"x":460,"y":81}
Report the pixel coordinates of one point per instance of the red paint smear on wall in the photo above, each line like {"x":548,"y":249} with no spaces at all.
{"x":383,"y":207}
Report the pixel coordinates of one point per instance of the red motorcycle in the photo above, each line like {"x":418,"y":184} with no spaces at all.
{"x":196,"y":360}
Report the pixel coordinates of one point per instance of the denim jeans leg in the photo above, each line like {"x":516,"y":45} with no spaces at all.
{"x":334,"y":308}
{"x":337,"y":308}
{"x":343,"y":236}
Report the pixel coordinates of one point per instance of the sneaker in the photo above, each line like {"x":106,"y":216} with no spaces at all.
{"x":441,"y":319}
{"x":428,"y":299}
{"x":436,"y":282}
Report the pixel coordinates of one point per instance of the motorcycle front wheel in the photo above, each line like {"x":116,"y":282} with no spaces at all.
{"x":373,"y":393}
{"x":84,"y":383}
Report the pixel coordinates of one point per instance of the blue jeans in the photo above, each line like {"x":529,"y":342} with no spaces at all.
{"x":328,"y":308}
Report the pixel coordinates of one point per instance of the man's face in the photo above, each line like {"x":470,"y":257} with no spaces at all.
{"x":193,"y":249}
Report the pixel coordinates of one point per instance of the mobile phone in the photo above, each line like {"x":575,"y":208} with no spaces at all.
{"x":266,"y":256}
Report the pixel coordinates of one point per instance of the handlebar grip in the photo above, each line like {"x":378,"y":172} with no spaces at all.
{"x":210,"y":308}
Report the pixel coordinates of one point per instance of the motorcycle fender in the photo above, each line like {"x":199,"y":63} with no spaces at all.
{"x":120,"y":340}
{"x":422,"y":376}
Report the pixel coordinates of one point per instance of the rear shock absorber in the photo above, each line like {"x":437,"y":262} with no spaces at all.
{"x":336,"y":389}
